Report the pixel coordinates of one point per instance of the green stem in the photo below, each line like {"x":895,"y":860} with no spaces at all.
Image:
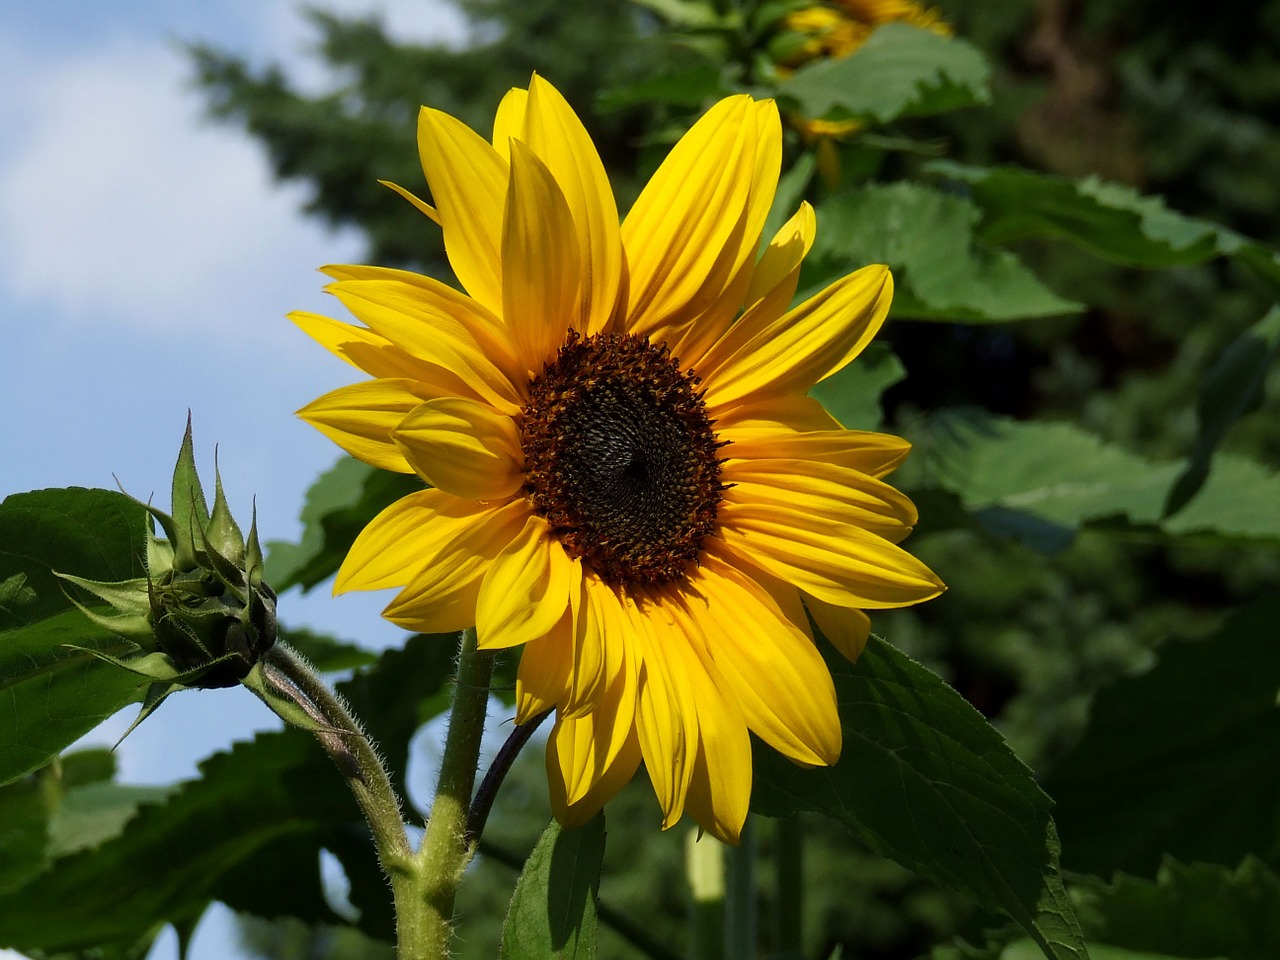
{"x":740,"y":897}
{"x":788,"y":858}
{"x":704,"y":860}
{"x":346,"y":742}
{"x":446,"y":848}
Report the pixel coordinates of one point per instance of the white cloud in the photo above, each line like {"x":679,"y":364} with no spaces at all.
{"x":119,"y":195}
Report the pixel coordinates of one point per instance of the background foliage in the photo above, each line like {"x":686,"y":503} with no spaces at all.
{"x":1076,"y":199}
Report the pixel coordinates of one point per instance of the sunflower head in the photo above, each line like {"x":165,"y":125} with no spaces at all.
{"x":624,"y":473}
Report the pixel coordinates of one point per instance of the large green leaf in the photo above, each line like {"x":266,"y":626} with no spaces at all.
{"x":899,"y":71}
{"x":1237,"y":501}
{"x":1195,"y":910}
{"x":925,"y":780}
{"x":1182,"y":760}
{"x":171,"y":859}
{"x":553,"y":908}
{"x":1040,"y":481}
{"x":941,"y":270}
{"x":1107,"y":219}
{"x":339,"y":504}
{"x":51,"y":693}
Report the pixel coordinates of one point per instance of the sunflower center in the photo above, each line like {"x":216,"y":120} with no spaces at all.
{"x":621,"y":459}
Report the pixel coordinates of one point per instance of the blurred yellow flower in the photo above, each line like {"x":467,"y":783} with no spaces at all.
{"x":836,"y":29}
{"x":627,"y":476}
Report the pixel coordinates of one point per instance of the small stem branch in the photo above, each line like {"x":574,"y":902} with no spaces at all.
{"x":446,"y":847}
{"x":346,"y":742}
{"x":497,"y":772}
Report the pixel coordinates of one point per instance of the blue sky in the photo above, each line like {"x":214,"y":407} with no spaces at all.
{"x":147,"y":262}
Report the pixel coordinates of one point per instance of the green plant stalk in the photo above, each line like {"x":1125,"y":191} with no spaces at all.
{"x":740,"y":921}
{"x":446,"y":848}
{"x":346,"y":742}
{"x":704,"y":861}
{"x":788,"y":861}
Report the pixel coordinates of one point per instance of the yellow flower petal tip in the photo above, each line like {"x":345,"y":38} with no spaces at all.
{"x":623,"y":471}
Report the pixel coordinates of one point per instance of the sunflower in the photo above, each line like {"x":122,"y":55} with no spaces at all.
{"x":626,"y":474}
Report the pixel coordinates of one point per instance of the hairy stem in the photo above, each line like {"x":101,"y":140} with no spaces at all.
{"x":346,"y":742}
{"x":446,"y":847}
{"x":478,"y":815}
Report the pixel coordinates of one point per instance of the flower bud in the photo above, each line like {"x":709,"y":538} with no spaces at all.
{"x":202,"y":617}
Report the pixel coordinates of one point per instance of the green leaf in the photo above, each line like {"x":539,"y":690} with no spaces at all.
{"x":899,"y":71}
{"x":1039,"y":482}
{"x":553,"y":908}
{"x":690,"y":87}
{"x":1181,"y":760}
{"x":1196,"y":910}
{"x":941,"y":270}
{"x":327,"y":654}
{"x":171,"y":859}
{"x":1109,"y":220}
{"x":1238,"y":501}
{"x":50,"y":693}
{"x":852,"y":396}
{"x":925,"y":780}
{"x":24,"y":818}
{"x":339,"y":504}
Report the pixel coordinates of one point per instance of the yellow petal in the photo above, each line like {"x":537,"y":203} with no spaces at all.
{"x":451,"y":609}
{"x":508,"y":122}
{"x":574,"y":813}
{"x":771,"y":670}
{"x":586,"y":750}
{"x":541,"y":260}
{"x":666,"y":710}
{"x":589,"y":675}
{"x":557,"y":136}
{"x":874,"y":454}
{"x":720,"y":790}
{"x":843,"y":565}
{"x":360,"y":418}
{"x":845,"y":627}
{"x":463,"y":447}
{"x":689,"y":337}
{"x":542,"y":680}
{"x":405,"y":537}
{"x":420,"y":205}
{"x":526,"y":588}
{"x":468,"y":181}
{"x":791,"y":353}
{"x":363,"y":349}
{"x":684,"y":233}
{"x":778,"y":272}
{"x":769,"y":415}
{"x":444,"y":330}
{"x":823,"y":491}
{"x":454,"y":558}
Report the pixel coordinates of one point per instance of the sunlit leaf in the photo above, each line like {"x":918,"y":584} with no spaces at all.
{"x":898,"y":71}
{"x":942,"y":271}
{"x":553,"y":909}
{"x":1110,"y":220}
{"x":924,"y":779}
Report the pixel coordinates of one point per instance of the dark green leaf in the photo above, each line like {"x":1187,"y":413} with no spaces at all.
{"x":941,"y":270}
{"x":24,"y":817}
{"x":1107,"y":219}
{"x":899,"y":71}
{"x":1197,"y":910}
{"x":925,"y":780}
{"x":327,"y":654}
{"x":553,"y":908}
{"x":691,"y":87}
{"x":339,"y":504}
{"x":1181,"y":760}
{"x":172,"y":858}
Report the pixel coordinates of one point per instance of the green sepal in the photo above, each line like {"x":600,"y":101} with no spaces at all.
{"x":285,"y":700}
{"x":225,"y":568}
{"x":222,"y":532}
{"x":132,"y":627}
{"x":153,"y":666}
{"x":129,"y":597}
{"x":190,"y":511}
{"x":254,"y":563}
{"x":157,"y":693}
{"x":159,"y":557}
